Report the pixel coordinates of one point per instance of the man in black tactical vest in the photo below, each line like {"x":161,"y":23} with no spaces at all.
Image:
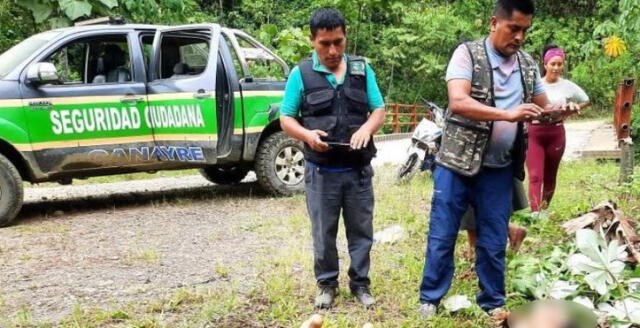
{"x":333,"y":104}
{"x":493,"y":88}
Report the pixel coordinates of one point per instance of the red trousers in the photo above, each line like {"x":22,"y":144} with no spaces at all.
{"x":546,"y":147}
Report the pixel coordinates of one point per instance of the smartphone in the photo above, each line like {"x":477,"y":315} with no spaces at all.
{"x":338,"y":144}
{"x":551,"y":115}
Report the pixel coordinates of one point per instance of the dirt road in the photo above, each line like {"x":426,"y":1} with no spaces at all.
{"x":130,"y":246}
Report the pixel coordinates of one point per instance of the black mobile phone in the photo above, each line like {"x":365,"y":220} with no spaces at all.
{"x":338,"y":144}
{"x":551,"y":115}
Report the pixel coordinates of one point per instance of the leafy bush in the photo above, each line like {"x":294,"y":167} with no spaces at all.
{"x":407,"y":42}
{"x":590,"y":272}
{"x":635,"y":125}
{"x":15,"y":24}
{"x":601,"y":78}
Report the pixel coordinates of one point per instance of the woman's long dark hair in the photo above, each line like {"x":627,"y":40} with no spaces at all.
{"x":544,"y":52}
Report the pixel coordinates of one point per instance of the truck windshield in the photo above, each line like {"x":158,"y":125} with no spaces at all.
{"x":11,"y":58}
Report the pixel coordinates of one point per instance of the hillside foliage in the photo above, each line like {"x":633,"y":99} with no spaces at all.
{"x":408,"y":42}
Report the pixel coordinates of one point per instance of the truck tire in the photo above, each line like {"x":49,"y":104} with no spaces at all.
{"x":11,"y":191}
{"x":279,"y":164}
{"x":224,"y":175}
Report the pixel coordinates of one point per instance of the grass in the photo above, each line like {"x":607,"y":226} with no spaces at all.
{"x":46,"y":227}
{"x":283,"y":293}
{"x":25,"y":257}
{"x":146,"y":255}
{"x":221,"y":270}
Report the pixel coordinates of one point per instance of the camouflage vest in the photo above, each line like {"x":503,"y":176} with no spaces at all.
{"x":464,"y":140}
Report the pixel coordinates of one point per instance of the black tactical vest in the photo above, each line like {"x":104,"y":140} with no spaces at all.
{"x":339,"y":112}
{"x":464,"y":140}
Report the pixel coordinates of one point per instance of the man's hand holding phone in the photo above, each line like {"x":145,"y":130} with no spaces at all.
{"x":524,"y":112}
{"x":559,"y":112}
{"x":314,"y":140}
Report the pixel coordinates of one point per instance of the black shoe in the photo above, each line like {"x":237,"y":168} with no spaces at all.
{"x":325,"y":297}
{"x":364,"y":296}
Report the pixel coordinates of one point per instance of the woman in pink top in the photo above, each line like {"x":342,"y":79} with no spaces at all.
{"x":547,"y":139}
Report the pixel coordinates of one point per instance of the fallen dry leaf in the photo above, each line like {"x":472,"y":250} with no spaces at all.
{"x":608,"y":218}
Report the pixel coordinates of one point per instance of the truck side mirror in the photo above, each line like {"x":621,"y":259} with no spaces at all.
{"x":42,"y":73}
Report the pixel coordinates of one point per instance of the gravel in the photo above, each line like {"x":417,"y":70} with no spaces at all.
{"x":111,"y":244}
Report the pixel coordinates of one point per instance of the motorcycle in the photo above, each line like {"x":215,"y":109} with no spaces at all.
{"x":425,"y":143}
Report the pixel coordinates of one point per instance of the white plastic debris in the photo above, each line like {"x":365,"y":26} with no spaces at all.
{"x":456,"y":303}
{"x":389,"y":235}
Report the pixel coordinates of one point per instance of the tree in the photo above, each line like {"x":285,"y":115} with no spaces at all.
{"x":60,"y":13}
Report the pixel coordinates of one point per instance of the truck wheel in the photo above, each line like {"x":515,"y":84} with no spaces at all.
{"x":280,"y":164}
{"x":11,"y":191}
{"x":224,"y":175}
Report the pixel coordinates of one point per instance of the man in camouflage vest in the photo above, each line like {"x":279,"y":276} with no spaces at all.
{"x":493,"y":88}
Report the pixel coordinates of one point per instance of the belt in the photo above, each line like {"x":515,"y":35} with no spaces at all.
{"x":330,"y":169}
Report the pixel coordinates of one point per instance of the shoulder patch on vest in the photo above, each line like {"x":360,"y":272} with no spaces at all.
{"x":357,"y":67}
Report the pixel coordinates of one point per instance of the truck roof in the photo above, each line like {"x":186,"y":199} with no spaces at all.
{"x":101,"y":27}
{"x":119,"y":27}
{"x":110,"y":27}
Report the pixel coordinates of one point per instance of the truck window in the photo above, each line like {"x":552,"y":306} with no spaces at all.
{"x":69,"y":62}
{"x":183,"y":55}
{"x":234,"y":56}
{"x":146,"y":41}
{"x":94,"y":60}
{"x":262,"y":66}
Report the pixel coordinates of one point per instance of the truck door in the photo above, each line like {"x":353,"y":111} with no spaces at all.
{"x":182,"y":93}
{"x":93,"y":117}
{"x":261,"y":77}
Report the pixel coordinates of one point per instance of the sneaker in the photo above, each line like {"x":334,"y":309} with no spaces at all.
{"x":364,"y":296}
{"x":325,"y":297}
{"x":427,"y":310}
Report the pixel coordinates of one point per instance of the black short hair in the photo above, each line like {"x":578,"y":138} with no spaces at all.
{"x":505,"y":8}
{"x":326,"y":18}
{"x":547,"y":48}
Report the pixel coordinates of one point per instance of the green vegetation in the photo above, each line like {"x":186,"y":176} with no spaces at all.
{"x":143,"y":256}
{"x":408,"y":42}
{"x":283,"y":293}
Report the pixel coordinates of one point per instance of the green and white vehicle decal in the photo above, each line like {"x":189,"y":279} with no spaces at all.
{"x":111,"y":99}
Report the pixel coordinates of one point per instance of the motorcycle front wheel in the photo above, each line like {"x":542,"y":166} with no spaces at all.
{"x":408,"y":168}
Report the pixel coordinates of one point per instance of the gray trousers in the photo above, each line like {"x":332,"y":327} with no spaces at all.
{"x":328,"y":194}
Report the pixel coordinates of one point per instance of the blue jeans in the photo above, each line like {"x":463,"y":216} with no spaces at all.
{"x":490,"y":193}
